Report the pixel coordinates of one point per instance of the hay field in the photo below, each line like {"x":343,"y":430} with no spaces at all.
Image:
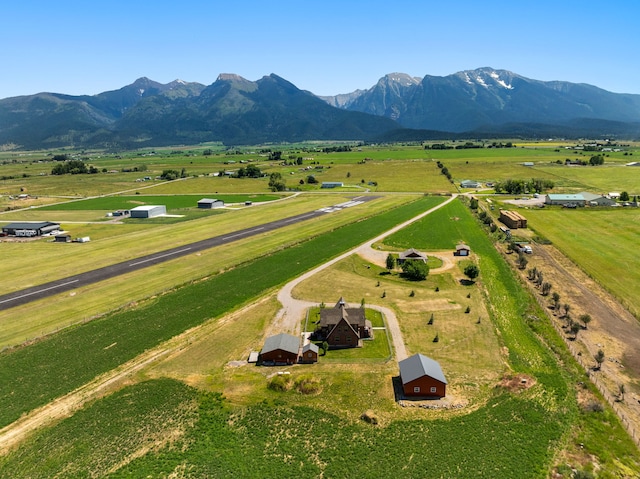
{"x":603,"y":242}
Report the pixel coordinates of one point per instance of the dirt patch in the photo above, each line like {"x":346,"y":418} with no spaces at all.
{"x":517,"y":382}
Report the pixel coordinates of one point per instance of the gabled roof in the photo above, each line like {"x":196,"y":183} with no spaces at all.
{"x":462,"y":246}
{"x":418,"y":365}
{"x":310,"y":347}
{"x":208,"y":200}
{"x":329,"y":317}
{"x":412,"y":253}
{"x":345,"y":321}
{"x":285,"y":342}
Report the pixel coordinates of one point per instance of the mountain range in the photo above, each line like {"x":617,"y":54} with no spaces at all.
{"x":475,"y":103}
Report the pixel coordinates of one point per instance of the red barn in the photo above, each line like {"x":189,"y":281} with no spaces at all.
{"x":422,"y":377}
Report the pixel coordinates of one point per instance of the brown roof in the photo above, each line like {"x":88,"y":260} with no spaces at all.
{"x":331,"y":316}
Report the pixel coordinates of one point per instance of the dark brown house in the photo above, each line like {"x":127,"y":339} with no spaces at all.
{"x":280,"y":349}
{"x":342,"y":327}
{"x":422,"y":377}
{"x":411,"y":254}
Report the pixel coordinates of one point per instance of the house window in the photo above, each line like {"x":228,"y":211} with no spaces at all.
{"x":433,"y":389}
{"x":416,"y":389}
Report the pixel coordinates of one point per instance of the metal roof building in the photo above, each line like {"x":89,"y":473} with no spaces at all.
{"x":281,"y":348}
{"x":422,"y":376}
{"x":210,"y":203}
{"x":148,"y":211}
{"x":28,"y":229}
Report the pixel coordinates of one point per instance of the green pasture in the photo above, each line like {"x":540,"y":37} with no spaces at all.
{"x":526,"y":428}
{"x":120,"y":242}
{"x":596,"y":179}
{"x":603,"y":242}
{"x":36,"y":374}
{"x":34,"y":319}
{"x":172,"y":202}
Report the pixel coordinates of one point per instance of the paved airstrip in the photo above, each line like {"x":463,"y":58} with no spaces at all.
{"x":72,"y":282}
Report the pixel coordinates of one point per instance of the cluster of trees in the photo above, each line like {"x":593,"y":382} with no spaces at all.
{"x":170,"y":175}
{"x":443,"y":170}
{"x":336,"y":149}
{"x":250,"y":171}
{"x":495,"y":144}
{"x":596,"y":160}
{"x":438,"y":146}
{"x":276,"y":182}
{"x":518,"y":187}
{"x":73,"y":167}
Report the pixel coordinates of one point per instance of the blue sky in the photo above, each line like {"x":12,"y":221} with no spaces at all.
{"x":326,"y":47}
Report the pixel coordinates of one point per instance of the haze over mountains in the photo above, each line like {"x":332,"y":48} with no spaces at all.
{"x":475,"y":103}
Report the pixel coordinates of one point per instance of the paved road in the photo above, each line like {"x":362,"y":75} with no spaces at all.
{"x":59,"y":286}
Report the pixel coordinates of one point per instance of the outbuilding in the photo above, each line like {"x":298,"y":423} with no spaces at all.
{"x":280,"y":349}
{"x":412,"y":254}
{"x":332,"y":184}
{"x":63,"y":238}
{"x":209,"y":203}
{"x":30,"y":229}
{"x":148,"y":211}
{"x":422,"y":377}
{"x":462,"y":250}
{"x":309,"y":353}
{"x":470,"y":184}
{"x":565,"y":200}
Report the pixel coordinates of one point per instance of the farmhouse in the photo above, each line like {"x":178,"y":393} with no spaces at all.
{"x":280,"y":349}
{"x":148,"y":211}
{"x":30,"y":229}
{"x":332,"y":184}
{"x":462,"y":250}
{"x":411,"y":254}
{"x":309,"y":353}
{"x":469,"y":184}
{"x":209,"y":203}
{"x":422,"y":377}
{"x":343,"y":327}
{"x":513,"y":219}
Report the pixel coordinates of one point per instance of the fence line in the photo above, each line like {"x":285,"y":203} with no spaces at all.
{"x":627,"y":423}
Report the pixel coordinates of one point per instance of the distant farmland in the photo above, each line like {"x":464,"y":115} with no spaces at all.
{"x":172,"y":202}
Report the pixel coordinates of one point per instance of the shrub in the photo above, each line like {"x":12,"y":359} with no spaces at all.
{"x":280,"y":382}
{"x":307,"y":384}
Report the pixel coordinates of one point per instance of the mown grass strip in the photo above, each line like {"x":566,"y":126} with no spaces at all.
{"x":34,"y":375}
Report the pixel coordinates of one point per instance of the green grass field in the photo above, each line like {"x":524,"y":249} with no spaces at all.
{"x":268,"y":438}
{"x":172,"y":202}
{"x":230,"y":423}
{"x":603,"y":242}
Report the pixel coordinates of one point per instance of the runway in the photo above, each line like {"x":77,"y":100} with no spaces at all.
{"x":45,"y":290}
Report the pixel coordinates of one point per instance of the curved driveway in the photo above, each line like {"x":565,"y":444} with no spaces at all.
{"x":289,"y":317}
